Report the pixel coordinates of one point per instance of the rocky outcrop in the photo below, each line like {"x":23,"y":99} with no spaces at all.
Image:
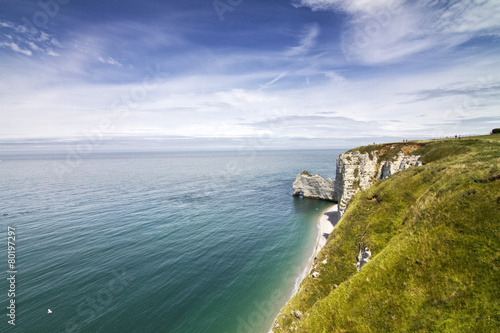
{"x":363,"y":257}
{"x":316,"y":187}
{"x":355,"y":172}
{"x":400,"y":163}
{"x":358,"y":171}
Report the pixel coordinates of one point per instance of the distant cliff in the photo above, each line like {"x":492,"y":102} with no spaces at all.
{"x":358,"y":170}
{"x":315,"y":187}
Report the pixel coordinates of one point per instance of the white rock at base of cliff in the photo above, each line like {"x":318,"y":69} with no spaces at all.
{"x":315,"y":187}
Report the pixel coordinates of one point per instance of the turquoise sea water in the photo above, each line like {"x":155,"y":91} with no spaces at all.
{"x":158,"y":242}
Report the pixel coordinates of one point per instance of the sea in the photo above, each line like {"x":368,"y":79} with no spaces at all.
{"x":155,"y":242}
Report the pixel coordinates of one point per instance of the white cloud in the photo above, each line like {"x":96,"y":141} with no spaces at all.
{"x":307,"y":41}
{"x":34,"y":46}
{"x":274,"y":80}
{"x":109,"y":61}
{"x":16,"y":48}
{"x":51,"y":52}
{"x":353,"y":6}
{"x":22,"y":36}
{"x":43,"y":36}
{"x":55,"y":42}
{"x":6,"y":24}
{"x":478,"y":17}
{"x":334,"y":77}
{"x":385,"y":31}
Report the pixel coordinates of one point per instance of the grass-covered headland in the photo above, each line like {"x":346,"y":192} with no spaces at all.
{"x":434,"y":235}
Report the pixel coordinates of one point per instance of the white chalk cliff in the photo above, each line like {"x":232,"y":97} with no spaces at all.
{"x":356,"y":171}
{"x":315,"y":187}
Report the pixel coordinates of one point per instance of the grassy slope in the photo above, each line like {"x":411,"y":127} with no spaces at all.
{"x":434,"y":233}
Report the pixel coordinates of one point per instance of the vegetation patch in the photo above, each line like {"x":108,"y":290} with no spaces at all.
{"x":389,"y":151}
{"x":306,"y":173}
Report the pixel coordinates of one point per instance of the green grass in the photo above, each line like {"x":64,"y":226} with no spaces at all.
{"x":434,"y":233}
{"x":386,"y":151}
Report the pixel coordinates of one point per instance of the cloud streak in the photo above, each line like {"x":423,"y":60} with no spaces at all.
{"x":387,"y":31}
{"x":307,"y":41}
{"x":22,"y":39}
{"x":16,"y":48}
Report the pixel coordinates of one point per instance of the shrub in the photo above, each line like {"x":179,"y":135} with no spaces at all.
{"x":305,"y":173}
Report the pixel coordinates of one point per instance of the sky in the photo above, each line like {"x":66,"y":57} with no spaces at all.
{"x":244,"y":74}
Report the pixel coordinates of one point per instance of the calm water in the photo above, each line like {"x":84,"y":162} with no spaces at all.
{"x":170,"y":242}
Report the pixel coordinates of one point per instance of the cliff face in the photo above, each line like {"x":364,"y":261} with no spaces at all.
{"x":314,"y":187}
{"x":355,"y":172}
{"x":358,"y":171}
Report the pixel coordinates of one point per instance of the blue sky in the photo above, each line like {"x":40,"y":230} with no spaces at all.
{"x":236,"y":74}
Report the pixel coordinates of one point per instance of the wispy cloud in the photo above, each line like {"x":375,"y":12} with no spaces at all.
{"x":51,"y":52}
{"x":6,"y":24}
{"x":34,"y":46}
{"x":16,"y":48}
{"x":386,"y":31}
{"x":307,"y":41}
{"x":274,"y":80}
{"x":109,"y":61}
{"x":353,"y":6}
{"x":486,"y":91}
{"x":22,"y":40}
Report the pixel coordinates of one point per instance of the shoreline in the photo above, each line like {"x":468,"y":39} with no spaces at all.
{"x":325,"y":227}
{"x":325,"y":224}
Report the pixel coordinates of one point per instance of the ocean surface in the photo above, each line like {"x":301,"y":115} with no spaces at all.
{"x":156,"y":242}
